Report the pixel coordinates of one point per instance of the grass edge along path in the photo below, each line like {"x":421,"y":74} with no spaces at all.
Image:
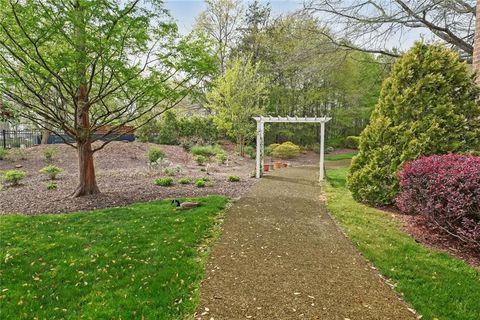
{"x":437,"y":285}
{"x":145,"y":260}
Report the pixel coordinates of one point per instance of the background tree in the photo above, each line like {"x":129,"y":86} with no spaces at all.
{"x":369,"y":25}
{"x":310,"y":76}
{"x":255,"y":22}
{"x":77,"y":66}
{"x":237,"y":96}
{"x":428,"y":105}
{"x":220,"y":22}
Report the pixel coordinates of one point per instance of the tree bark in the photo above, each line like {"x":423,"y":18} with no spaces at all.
{"x":87,"y":182}
{"x":45,"y":136}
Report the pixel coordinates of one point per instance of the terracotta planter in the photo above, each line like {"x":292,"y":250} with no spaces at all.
{"x":266,"y":167}
{"x":277,"y":165}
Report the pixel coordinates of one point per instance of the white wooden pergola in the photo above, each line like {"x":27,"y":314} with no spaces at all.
{"x":260,"y":138}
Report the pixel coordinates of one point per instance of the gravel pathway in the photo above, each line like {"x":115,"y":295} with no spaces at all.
{"x":282,"y":257}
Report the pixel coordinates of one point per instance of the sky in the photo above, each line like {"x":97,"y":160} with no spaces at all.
{"x":185,"y":11}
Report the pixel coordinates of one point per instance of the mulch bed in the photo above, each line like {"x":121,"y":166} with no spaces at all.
{"x":123,"y":176}
{"x":435,"y":238}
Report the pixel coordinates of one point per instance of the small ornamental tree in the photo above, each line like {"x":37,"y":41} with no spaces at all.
{"x":237,"y":96}
{"x":76,"y":67}
{"x":428,"y":105}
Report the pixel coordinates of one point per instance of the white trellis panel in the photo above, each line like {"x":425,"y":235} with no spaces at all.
{"x":269,"y":119}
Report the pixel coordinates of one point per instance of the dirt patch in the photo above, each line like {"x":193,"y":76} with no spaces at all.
{"x":282,"y":257}
{"x":123,"y":176}
{"x":435,"y":238}
{"x":342,"y":151}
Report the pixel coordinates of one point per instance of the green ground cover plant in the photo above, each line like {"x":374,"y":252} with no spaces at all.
{"x":155,"y":154}
{"x":143,"y":261}
{"x":164,"y":182}
{"x":3,"y":153}
{"x":233,"y":178}
{"x":13,"y":177}
{"x":51,"y":171}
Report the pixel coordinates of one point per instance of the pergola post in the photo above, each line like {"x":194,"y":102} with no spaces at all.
{"x":322,"y":150}
{"x":262,"y":146}
{"x":258,"y":169}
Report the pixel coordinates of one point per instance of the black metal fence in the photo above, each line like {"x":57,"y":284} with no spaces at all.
{"x":29,"y":138}
{"x":19,"y":138}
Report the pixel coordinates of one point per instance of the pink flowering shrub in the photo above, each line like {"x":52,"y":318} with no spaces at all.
{"x":446,"y":190}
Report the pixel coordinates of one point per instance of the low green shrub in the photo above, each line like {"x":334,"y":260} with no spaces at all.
{"x":49,"y":153}
{"x":207,"y":151}
{"x":233,"y":178}
{"x":51,"y":171}
{"x":286,"y":150}
{"x":221,"y":158}
{"x":155,"y":154}
{"x":200,"y":160}
{"x":52,"y":185}
{"x":164,"y":182}
{"x":269,"y":149}
{"x":13,"y":177}
{"x":250,"y":151}
{"x":200,"y":183}
{"x":3,"y":153}
{"x":352,"y":142}
{"x":329,"y":150}
{"x":205,"y":178}
{"x":336,"y":142}
{"x":184,"y":180}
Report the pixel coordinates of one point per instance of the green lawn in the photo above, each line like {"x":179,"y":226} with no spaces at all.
{"x":435,"y":284}
{"x":341,"y":156}
{"x":141,"y":261}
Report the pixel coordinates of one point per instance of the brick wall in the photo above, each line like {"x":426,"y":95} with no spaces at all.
{"x":476,"y":49}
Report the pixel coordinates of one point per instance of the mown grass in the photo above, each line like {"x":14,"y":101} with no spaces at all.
{"x":437,"y":285}
{"x":340,"y":156}
{"x":144,"y":261}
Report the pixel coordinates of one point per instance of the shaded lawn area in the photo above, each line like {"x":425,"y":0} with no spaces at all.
{"x":141,"y":261}
{"x":341,"y":156}
{"x":437,"y":285}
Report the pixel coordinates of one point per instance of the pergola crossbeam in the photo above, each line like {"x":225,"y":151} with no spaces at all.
{"x":261,"y":132}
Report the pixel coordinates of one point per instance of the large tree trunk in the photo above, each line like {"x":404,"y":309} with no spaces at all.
{"x":45,"y":136}
{"x":87,"y":183}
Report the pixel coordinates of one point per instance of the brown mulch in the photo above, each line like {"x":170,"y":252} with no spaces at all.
{"x":435,"y":238}
{"x":281,"y":256}
{"x":123,"y":176}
